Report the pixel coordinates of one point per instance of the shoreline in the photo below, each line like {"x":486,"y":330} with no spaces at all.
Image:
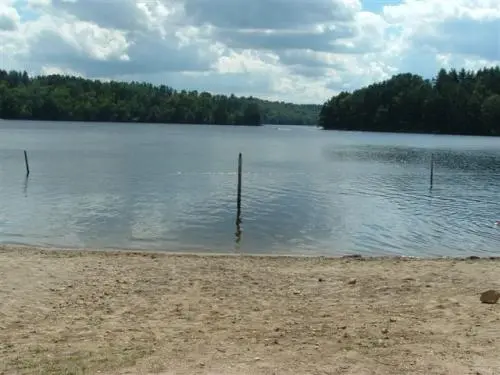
{"x":134,"y":251}
{"x":142,"y":312}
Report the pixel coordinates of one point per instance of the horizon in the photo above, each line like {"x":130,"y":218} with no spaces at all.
{"x":212,"y":46}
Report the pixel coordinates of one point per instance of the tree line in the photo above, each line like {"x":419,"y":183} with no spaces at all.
{"x":454,"y":102}
{"x":68,"y":98}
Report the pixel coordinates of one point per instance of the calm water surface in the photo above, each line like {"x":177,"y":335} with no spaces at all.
{"x":305,"y":190}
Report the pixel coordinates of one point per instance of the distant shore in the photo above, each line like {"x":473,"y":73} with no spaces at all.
{"x":130,"y":312}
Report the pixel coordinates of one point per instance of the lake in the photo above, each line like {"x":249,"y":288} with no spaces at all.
{"x":305,"y":191}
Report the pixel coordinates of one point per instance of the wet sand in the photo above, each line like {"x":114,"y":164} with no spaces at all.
{"x":88,"y":312}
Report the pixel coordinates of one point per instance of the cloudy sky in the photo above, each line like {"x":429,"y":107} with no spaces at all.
{"x":293,"y":50}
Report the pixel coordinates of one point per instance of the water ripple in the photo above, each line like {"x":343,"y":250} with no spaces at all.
{"x":308,"y":192}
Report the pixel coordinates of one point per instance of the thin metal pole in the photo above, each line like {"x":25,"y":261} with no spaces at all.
{"x":27,"y":164}
{"x":238,"y":198}
{"x":432,"y":169}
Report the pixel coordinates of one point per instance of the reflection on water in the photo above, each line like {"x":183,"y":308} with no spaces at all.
{"x":304,"y":190}
{"x":25,"y":189}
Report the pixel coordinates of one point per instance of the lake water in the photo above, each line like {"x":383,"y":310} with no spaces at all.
{"x":305,"y":191}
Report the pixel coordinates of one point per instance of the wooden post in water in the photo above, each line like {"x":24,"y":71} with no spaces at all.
{"x":432,"y":169}
{"x":27,"y":164}
{"x":238,"y":198}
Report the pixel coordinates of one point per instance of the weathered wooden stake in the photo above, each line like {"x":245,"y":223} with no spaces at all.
{"x":432,"y":169}
{"x":238,"y":199}
{"x":27,"y":164}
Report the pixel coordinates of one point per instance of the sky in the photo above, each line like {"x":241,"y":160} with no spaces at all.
{"x":303,"y":51}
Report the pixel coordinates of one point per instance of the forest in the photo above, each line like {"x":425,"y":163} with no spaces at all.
{"x":454,"y":102}
{"x":67,"y":98}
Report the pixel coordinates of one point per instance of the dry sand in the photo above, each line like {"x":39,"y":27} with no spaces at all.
{"x":73,"y":312}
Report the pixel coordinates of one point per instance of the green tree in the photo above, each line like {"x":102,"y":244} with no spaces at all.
{"x":453,"y":102}
{"x":251,"y":114}
{"x":57,"y":97}
{"x":490,"y":114}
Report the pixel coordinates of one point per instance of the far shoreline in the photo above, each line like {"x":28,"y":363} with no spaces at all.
{"x":316,"y":126}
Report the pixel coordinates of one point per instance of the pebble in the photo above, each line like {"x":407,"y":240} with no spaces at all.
{"x":352,"y":281}
{"x":353,"y":256}
{"x":490,"y":296}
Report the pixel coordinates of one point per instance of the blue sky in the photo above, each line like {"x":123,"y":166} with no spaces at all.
{"x":292,"y":50}
{"x":376,"y":6}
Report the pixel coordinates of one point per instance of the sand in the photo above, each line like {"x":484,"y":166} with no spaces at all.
{"x":83,"y":312}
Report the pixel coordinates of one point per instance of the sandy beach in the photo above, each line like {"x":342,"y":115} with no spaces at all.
{"x":88,"y":312}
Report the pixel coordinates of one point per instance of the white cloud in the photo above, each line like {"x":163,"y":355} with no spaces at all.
{"x":296,"y":50}
{"x":269,"y":14}
{"x":460,"y":27}
{"x":48,"y":70}
{"x":9,"y":17}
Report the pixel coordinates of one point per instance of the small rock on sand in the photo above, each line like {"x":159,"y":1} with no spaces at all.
{"x":352,"y":281}
{"x":490,"y":296}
